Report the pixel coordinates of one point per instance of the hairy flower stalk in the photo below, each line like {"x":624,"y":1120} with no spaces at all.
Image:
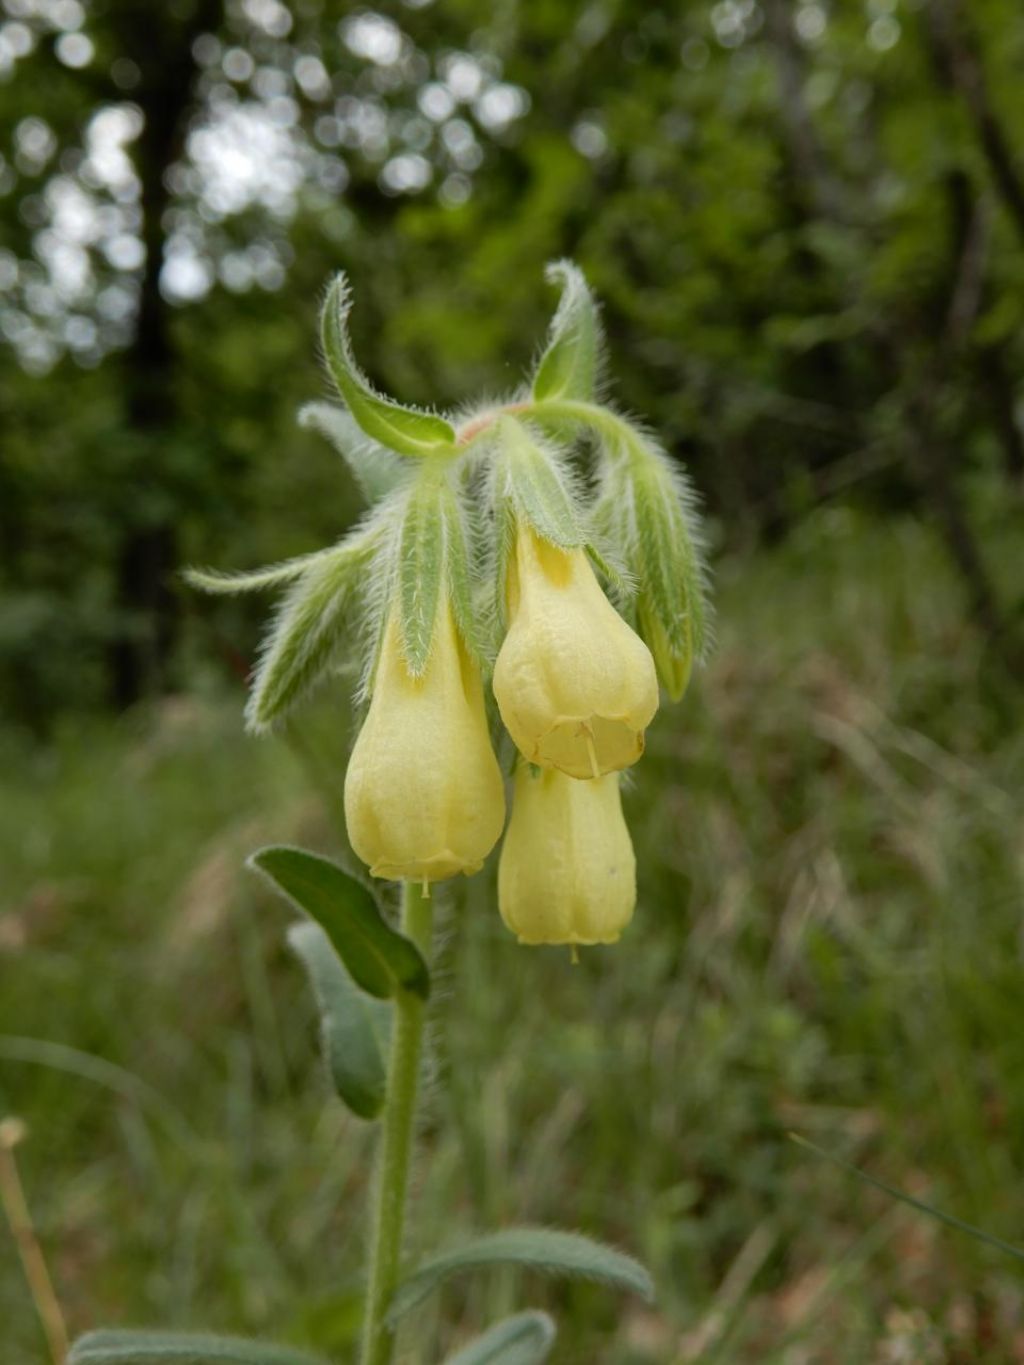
{"x":576,"y":687}
{"x":567,"y":872}
{"x":392,"y":1175}
{"x":423,"y":792}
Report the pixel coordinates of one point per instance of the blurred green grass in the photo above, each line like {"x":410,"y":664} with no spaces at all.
{"x":828,"y":942}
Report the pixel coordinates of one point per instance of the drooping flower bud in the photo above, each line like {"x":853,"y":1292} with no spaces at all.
{"x":567,"y":873}
{"x":576,"y":687}
{"x":423,"y":792}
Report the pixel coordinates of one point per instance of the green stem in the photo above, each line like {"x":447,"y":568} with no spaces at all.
{"x":392,"y":1178}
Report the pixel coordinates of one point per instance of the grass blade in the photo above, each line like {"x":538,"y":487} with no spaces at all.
{"x":949,"y":1219}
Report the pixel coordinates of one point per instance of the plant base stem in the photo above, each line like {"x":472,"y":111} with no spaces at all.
{"x":392,"y":1177}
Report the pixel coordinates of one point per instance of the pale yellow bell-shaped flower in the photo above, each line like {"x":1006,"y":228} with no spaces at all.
{"x":576,"y":686}
{"x":424,"y":797}
{"x":567,"y":873}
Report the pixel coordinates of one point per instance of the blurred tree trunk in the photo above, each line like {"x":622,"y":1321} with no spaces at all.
{"x":997,"y":383}
{"x":957,"y":69}
{"x":934,"y":461}
{"x":809,"y":192}
{"x":932,"y":447}
{"x":814,"y":178}
{"x":957,"y":60}
{"x":930,"y":455}
{"x":160,"y":43}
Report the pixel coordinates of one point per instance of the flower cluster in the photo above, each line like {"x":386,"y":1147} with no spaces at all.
{"x":482,"y":549}
{"x":575,"y":687}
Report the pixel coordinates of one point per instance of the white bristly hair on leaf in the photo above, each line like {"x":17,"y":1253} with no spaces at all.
{"x":304,"y":636}
{"x":645,"y":502}
{"x":571,"y":364}
{"x":375,"y":468}
{"x":534,"y":474}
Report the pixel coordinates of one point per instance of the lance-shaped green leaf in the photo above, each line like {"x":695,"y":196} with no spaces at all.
{"x":545,"y":1249}
{"x":156,"y":1348}
{"x":378,"y":958}
{"x":408,"y":431}
{"x":569,"y":367}
{"x":421,"y":568}
{"x":354,"y":1027}
{"x":307,"y":630}
{"x":376,"y":469}
{"x":523,"y":1339}
{"x":534,"y":477}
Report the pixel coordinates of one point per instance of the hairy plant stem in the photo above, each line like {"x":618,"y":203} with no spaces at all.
{"x":392,"y":1176}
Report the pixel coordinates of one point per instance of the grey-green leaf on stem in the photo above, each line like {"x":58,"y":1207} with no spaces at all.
{"x":376,"y":469}
{"x":569,"y":366}
{"x":155,"y":1348}
{"x":354,"y":1027}
{"x":545,"y":1249}
{"x":523,"y":1339}
{"x":408,"y":431}
{"x":379,"y":959}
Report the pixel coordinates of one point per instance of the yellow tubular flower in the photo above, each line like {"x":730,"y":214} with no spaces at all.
{"x":575,"y":686}
{"x":424,"y":797}
{"x":567,"y":873}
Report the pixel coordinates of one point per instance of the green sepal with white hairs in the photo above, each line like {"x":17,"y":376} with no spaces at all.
{"x":609,"y":566}
{"x":570,"y":365}
{"x":461,"y":565}
{"x":376,"y":469}
{"x":425,"y":560}
{"x":646,"y":506}
{"x":304,"y":639}
{"x":420,"y":570}
{"x":405,"y":430}
{"x":254,"y":580}
{"x":533,"y":476}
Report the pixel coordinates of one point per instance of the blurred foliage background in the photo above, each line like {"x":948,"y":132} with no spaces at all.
{"x":805,"y":219}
